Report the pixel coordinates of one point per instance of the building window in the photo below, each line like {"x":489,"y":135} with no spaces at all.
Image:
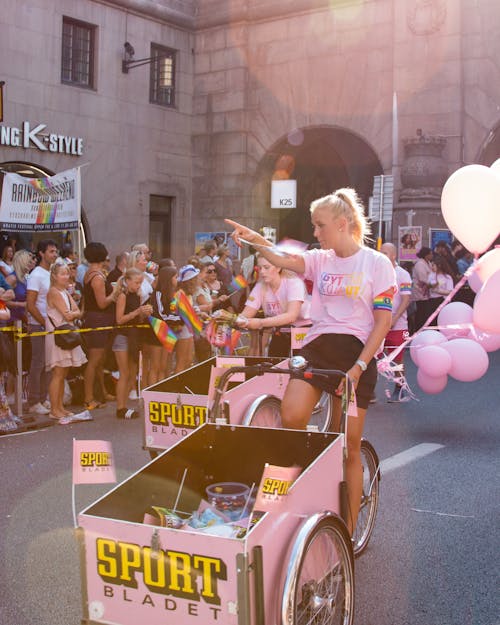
{"x":78,"y":53}
{"x":162,"y":83}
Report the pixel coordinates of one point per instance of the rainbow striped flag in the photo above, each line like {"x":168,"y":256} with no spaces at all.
{"x":238,"y":283}
{"x":187,"y":313}
{"x":164,"y":334}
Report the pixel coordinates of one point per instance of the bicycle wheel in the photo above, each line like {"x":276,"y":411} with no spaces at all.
{"x":322,"y":413}
{"x":319,"y":585}
{"x":264,"y":412}
{"x":369,"y":499}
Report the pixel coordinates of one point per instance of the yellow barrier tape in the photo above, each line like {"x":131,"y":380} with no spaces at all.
{"x":21,"y":335}
{"x":8,"y":329}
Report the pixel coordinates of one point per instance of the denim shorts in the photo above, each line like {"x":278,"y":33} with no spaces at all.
{"x":120,"y":343}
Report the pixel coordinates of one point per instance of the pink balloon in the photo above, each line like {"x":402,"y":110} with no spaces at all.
{"x":469,"y":361}
{"x":431,"y":384}
{"x":490,"y":342}
{"x":472,"y":186}
{"x":486,"y":315}
{"x":434,"y":361}
{"x":455,"y":313}
{"x":486,"y":266}
{"x":426,"y":337}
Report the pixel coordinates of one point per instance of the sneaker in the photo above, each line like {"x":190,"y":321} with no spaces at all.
{"x":46,"y":404}
{"x":39,"y":408}
{"x":373,"y":399}
{"x":127,"y":414}
{"x":133,"y":394}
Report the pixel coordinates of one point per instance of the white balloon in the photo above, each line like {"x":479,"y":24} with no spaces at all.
{"x":486,"y":266}
{"x":496,"y":166}
{"x":469,"y":203}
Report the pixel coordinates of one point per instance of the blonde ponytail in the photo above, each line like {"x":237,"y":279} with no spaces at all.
{"x":346,"y":203}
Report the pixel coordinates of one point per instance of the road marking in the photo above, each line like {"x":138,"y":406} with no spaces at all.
{"x":460,"y":516}
{"x":407,"y":456}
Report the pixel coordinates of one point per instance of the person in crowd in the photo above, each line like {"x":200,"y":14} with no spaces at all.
{"x":351,"y":313}
{"x":440,"y":284}
{"x":209,"y":252}
{"x":187,"y":280}
{"x":464,"y":260}
{"x":68,"y":253}
{"x":118,"y":270}
{"x":139,"y":259}
{"x":224,"y":267}
{"x":281,"y":295}
{"x":61,"y":309}
{"x":129,"y":311}
{"x":81,"y":270}
{"x":23,"y":262}
{"x":420,"y":291}
{"x":6,"y":266}
{"x":163,"y":305}
{"x":99,"y":312}
{"x":166,"y":262}
{"x":9,"y":422}
{"x":75,"y":289}
{"x":37,"y":287}
{"x":399,"y":323}
{"x":443,"y":250}
{"x":207,"y":295}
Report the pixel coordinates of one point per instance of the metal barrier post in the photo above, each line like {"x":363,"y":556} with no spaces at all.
{"x":19,"y":362}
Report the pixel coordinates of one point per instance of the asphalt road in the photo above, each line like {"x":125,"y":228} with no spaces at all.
{"x":433,"y":558}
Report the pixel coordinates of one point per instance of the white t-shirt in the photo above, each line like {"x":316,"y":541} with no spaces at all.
{"x":346,"y":291}
{"x":291,"y":289}
{"x":39,"y":281}
{"x":404,"y":288}
{"x":146,"y":287}
{"x":443,"y":282}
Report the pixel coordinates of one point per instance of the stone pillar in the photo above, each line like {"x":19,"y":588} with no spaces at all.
{"x":423,"y":174}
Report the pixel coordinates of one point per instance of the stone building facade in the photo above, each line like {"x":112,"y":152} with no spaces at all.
{"x":328,"y":92}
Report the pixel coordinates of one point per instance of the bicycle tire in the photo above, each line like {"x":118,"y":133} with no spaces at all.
{"x":265,"y":411}
{"x":369,"y":499}
{"x":319,"y":582}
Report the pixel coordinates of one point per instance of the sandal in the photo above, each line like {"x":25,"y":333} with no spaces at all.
{"x":92,"y":404}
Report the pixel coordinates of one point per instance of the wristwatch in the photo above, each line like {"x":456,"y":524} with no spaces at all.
{"x":362,"y":364}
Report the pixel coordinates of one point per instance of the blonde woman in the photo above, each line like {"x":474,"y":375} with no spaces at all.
{"x":61,"y":308}
{"x":351,"y":311}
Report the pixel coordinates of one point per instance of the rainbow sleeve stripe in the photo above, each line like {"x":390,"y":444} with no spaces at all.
{"x":238,"y":283}
{"x":405,"y":287}
{"x":384,"y":300}
{"x":187,"y":313}
{"x":164,"y":334}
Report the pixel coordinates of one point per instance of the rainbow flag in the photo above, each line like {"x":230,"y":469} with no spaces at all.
{"x":164,"y":334}
{"x":238,"y":283}
{"x":187,"y":313}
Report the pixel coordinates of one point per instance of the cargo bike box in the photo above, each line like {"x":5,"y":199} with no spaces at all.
{"x":293,"y":565}
{"x":176,"y":406}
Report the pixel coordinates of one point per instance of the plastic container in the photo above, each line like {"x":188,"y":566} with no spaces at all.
{"x":228,"y":497}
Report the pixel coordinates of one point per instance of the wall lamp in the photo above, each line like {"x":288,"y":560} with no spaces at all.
{"x":129,"y":62}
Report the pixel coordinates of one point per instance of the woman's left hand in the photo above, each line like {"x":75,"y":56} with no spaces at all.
{"x":354,"y":374}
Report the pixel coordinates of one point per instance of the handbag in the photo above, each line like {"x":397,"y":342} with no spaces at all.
{"x":68,"y":340}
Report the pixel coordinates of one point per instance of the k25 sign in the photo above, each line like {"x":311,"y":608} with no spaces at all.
{"x":283,"y":194}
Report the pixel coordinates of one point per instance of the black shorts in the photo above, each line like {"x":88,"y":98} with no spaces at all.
{"x":339,"y":351}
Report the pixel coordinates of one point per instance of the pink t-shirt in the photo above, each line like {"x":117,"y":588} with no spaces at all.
{"x":291,"y":289}
{"x":404,"y":288}
{"x":346,"y":291}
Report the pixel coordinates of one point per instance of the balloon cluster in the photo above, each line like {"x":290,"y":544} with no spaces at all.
{"x":470,"y":203}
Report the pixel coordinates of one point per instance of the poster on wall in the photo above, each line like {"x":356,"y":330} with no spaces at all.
{"x":439,"y":234}
{"x":44,"y":204}
{"x":409,"y":242}
{"x":220,"y":238}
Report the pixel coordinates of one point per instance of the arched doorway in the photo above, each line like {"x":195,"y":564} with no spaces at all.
{"x":321,"y":159}
{"x":28,"y":240}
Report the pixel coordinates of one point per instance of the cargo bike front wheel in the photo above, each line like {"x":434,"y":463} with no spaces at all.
{"x":319,"y":582}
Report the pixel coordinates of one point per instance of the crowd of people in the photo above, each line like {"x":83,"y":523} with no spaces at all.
{"x":49,"y":287}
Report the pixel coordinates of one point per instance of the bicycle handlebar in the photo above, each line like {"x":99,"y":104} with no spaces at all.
{"x":301,"y":367}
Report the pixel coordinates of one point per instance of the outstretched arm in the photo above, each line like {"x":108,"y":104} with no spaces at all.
{"x":284,"y":261}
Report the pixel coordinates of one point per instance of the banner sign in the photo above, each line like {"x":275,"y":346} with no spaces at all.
{"x":41,"y":204}
{"x":410,"y":242}
{"x":274,"y":486}
{"x":93,"y":462}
